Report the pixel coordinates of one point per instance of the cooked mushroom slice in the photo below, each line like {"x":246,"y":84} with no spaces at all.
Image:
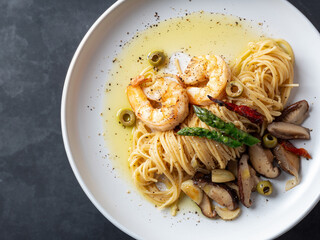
{"x":255,"y":179}
{"x":226,"y":214}
{"x":290,"y":163}
{"x":206,"y":207}
{"x":199,"y":197}
{"x":222,"y":194}
{"x":233,"y":167}
{"x":192,"y":191}
{"x":235,"y":187}
{"x":201,"y":179}
{"x":295,"y":113}
{"x":288,"y":131}
{"x":247,"y":180}
{"x":221,"y":176}
{"x":261,"y":160}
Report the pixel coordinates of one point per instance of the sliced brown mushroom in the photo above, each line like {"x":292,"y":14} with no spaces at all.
{"x":233,"y":167}
{"x":247,"y":180}
{"x":201,"y":179}
{"x":235,"y":187}
{"x":206,"y":207}
{"x":222,"y":194}
{"x":254,"y":178}
{"x":288,"y":131}
{"x":295,"y":113}
{"x":290,"y":163}
{"x":262,"y":161}
{"x":199,"y":197}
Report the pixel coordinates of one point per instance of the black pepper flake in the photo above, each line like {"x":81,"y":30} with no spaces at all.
{"x":156,"y":15}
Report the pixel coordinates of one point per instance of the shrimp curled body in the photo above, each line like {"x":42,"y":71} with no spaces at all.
{"x":161,"y":105}
{"x":210,"y":68}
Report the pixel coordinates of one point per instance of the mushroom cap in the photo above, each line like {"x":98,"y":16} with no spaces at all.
{"x":290,"y":163}
{"x":222,"y":194}
{"x":295,"y":113}
{"x":262,"y":161}
{"x":285,"y":130}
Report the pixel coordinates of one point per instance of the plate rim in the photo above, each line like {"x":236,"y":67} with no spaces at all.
{"x":65,"y":135}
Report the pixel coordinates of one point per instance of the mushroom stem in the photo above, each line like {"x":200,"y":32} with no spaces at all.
{"x":295,"y":113}
{"x":247,"y":180}
{"x":290,"y":163}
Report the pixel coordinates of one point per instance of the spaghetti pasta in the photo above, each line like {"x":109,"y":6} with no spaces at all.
{"x":266,"y":73}
{"x":161,"y":161}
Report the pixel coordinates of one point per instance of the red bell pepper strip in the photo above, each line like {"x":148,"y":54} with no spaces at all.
{"x":242,"y":110}
{"x":298,"y":151}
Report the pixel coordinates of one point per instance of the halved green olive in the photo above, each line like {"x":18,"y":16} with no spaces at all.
{"x":234,"y":89}
{"x":269,"y":141}
{"x":156,"y":58}
{"x":264,"y":188}
{"x":126,"y":117}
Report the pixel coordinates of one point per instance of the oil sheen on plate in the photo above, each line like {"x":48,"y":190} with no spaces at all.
{"x":195,"y":34}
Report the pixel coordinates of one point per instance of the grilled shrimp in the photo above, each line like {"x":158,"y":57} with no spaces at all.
{"x":161,"y":105}
{"x":210,"y":68}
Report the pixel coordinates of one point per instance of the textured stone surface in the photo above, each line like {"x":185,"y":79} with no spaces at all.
{"x":39,"y":195}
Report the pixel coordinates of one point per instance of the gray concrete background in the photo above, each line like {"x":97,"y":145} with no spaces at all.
{"x":39,"y":195}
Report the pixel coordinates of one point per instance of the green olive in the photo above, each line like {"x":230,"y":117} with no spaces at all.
{"x":126,"y":117}
{"x":264,"y":188}
{"x":269,"y":141}
{"x":156,"y":58}
{"x":234,"y":89}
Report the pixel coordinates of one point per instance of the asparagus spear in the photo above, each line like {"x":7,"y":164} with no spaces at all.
{"x":214,"y":135}
{"x":226,"y":128}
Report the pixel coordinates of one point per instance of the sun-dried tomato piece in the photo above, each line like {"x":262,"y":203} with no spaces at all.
{"x":298,"y":151}
{"x":242,"y":110}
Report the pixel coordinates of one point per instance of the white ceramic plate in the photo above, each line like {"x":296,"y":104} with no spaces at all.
{"x":130,"y":212}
